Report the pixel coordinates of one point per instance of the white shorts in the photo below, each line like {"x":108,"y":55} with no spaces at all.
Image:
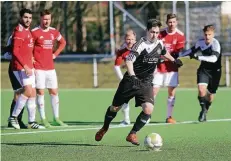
{"x":46,"y":79}
{"x":168,"y":79}
{"x":25,"y":80}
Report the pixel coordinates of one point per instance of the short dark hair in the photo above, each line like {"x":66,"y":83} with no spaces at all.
{"x":208,"y":28}
{"x":24,"y":10}
{"x":153,"y":23}
{"x":171,"y":16}
{"x":45,"y":12}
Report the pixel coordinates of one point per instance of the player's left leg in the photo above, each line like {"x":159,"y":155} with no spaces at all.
{"x":145,"y":100}
{"x":171,"y":81}
{"x":52,"y":85}
{"x":203,"y":79}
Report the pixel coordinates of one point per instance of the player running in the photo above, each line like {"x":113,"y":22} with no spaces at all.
{"x":137,"y":81}
{"x":208,"y":51}
{"x":130,"y":40}
{"x":44,"y":38}
{"x":167,"y":72}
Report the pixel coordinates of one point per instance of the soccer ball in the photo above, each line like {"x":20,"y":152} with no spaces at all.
{"x":153,"y":141}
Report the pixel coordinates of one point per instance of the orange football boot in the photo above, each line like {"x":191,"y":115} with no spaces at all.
{"x":132,"y":138}
{"x":170,"y":120}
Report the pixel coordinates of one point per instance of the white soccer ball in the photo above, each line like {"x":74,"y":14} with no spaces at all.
{"x":153,"y":141}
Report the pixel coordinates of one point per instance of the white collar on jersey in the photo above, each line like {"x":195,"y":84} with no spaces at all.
{"x":171,"y":33}
{"x":46,"y":30}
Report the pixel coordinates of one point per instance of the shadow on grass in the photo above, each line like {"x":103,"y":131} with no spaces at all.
{"x":53,"y":144}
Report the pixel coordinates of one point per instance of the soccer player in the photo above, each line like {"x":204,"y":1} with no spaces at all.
{"x":45,"y":38}
{"x":130,"y":39}
{"x":17,"y":87}
{"x":167,"y":72}
{"x":137,"y":81}
{"x":209,"y":71}
{"x":23,"y":69}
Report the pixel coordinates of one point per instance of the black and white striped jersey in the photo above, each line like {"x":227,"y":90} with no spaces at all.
{"x":145,"y":56}
{"x":210,"y":51}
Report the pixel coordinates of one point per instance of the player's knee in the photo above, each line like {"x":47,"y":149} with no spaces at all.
{"x":114,"y":108}
{"x":40,"y":91}
{"x":147,"y":108}
{"x":53,"y":91}
{"x":202,"y":91}
{"x":28,"y":91}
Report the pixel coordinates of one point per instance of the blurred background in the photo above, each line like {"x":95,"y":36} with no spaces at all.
{"x":94,"y":30}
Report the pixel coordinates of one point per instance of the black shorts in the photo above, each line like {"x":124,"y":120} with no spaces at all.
{"x":13,"y":80}
{"x":125,"y":92}
{"x":209,"y":77}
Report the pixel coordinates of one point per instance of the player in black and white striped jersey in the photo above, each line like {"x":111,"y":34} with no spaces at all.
{"x":208,"y":51}
{"x":137,"y":81}
{"x":17,"y":87}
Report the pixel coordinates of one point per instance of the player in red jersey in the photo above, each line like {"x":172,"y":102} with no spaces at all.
{"x":23,"y":69}
{"x":167,"y":72}
{"x":44,"y":38}
{"x":130,"y":40}
{"x":17,"y":87}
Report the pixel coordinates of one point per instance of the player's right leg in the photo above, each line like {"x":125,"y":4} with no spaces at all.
{"x":122,"y":95}
{"x":40,"y":79}
{"x":171,"y":81}
{"x":26,"y":82}
{"x":17,"y":87}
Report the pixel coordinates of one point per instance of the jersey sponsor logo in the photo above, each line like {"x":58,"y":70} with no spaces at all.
{"x":52,"y":37}
{"x":47,"y":44}
{"x":150,"y":60}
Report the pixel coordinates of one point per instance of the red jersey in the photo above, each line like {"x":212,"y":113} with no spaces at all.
{"x":173,"y":42}
{"x":121,"y":55}
{"x":22,"y":44}
{"x":43,"y":47}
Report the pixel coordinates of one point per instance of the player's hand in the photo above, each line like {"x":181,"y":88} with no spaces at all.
{"x":53,"y":56}
{"x":178,"y":63}
{"x":136,"y":82}
{"x":175,"y":56}
{"x":193,"y":56}
{"x":28,"y":70}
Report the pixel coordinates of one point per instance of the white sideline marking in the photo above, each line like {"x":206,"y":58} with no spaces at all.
{"x":114,"y":89}
{"x":112,"y":127}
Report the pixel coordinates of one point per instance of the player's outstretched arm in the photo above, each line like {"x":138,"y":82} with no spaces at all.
{"x":62,"y":44}
{"x":118,"y":72}
{"x":178,"y":62}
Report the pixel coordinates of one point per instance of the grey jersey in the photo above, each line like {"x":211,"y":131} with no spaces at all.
{"x":145,"y":56}
{"x":213,"y":48}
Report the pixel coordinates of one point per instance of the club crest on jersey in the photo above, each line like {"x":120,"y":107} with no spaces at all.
{"x":158,"y":51}
{"x":41,"y":37}
{"x":174,"y":41}
{"x":52,"y":36}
